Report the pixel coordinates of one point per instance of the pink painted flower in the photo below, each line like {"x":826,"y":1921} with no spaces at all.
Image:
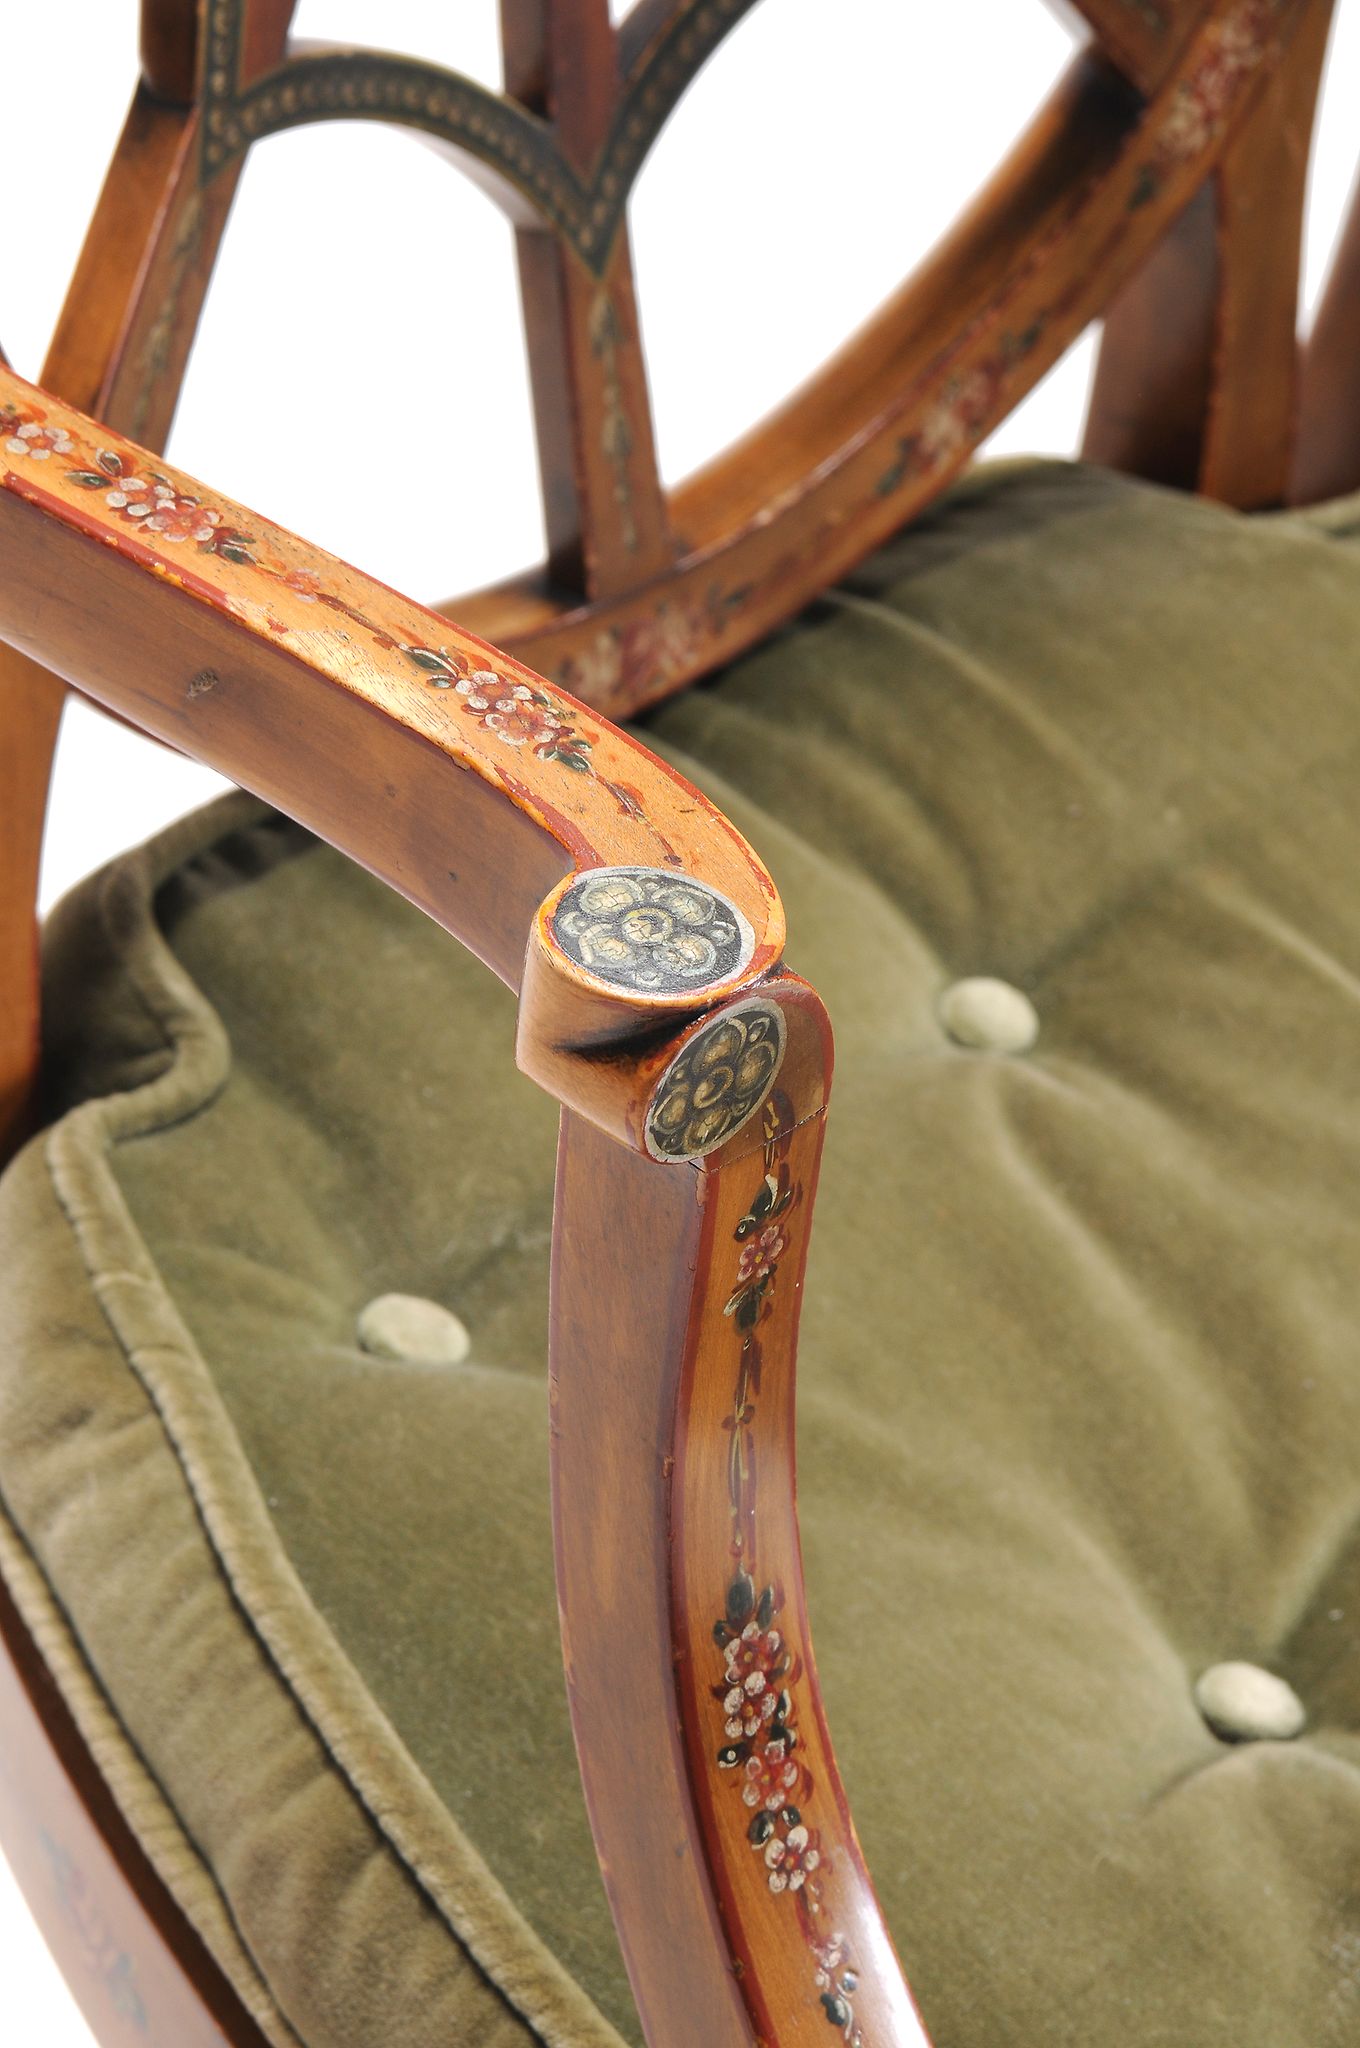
{"x":34,"y":439}
{"x":754,"y":1658}
{"x":1187,"y":127}
{"x":837,"y":1981}
{"x":747,"y":1713}
{"x":1204,"y":101}
{"x":521,"y":716}
{"x":177,"y":518}
{"x":304,"y":583}
{"x":760,"y":1255}
{"x":675,"y":635}
{"x":516,"y":714}
{"x":957,"y":417}
{"x":770,"y":1777}
{"x":791,"y":1859}
{"x":660,"y":647}
{"x":832,"y":1955}
{"x":595,"y":673}
{"x":160,"y":509}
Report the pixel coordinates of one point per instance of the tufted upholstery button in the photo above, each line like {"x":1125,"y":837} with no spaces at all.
{"x":1243,"y":1703}
{"x":988,"y":1015}
{"x":407,"y":1326}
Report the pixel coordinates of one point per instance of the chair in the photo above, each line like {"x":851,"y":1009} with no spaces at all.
{"x":1054,"y":763}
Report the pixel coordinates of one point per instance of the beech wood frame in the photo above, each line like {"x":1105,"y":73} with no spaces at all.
{"x":1162,"y":187}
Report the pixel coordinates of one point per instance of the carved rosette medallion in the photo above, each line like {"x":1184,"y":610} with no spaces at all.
{"x":717,"y":1082}
{"x":650,"y":931}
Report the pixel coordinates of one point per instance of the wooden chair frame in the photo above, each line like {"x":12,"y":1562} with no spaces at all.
{"x":1163,"y":188}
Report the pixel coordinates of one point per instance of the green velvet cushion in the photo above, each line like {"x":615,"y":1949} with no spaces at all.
{"x":1080,"y":1377}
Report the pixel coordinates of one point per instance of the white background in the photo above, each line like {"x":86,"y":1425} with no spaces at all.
{"x":360,"y":373}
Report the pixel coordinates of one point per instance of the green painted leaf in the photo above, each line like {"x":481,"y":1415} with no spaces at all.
{"x":87,"y":479}
{"x":233,"y":550}
{"x":1146,"y":185}
{"x":426,"y":658}
{"x":111,"y":464}
{"x":741,"y":1600}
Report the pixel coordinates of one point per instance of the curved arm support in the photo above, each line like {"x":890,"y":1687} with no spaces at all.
{"x":725,"y":1837}
{"x":653,"y":1006}
{"x":349,"y":705}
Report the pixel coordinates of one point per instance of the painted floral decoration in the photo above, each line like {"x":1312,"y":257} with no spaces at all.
{"x":837,"y":1982}
{"x":771,"y":1775}
{"x":158,"y":506}
{"x":763,"y":1244}
{"x":523,"y":717}
{"x":962,"y":412}
{"x":515,"y":713}
{"x":662,"y":646}
{"x":757,"y":1693}
{"x":791,"y":1858}
{"x":656,"y":930}
{"x":760,"y":1257}
{"x":31,"y":437}
{"x":723,"y":1074}
{"x":1202,"y":103}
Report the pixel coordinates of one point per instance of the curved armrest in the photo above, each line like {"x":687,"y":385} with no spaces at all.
{"x":331,"y":694}
{"x":645,"y":938}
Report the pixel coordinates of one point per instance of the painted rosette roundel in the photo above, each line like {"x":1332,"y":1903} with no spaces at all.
{"x":651,"y":932}
{"x":717,"y":1081}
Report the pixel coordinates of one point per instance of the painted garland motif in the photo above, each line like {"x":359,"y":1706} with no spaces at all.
{"x":1204,"y":102}
{"x":757,"y":1693}
{"x":651,"y":650}
{"x":961,"y":414}
{"x":1197,"y":115}
{"x":513,"y":713}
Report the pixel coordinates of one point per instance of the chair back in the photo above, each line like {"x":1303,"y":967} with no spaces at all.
{"x":1160,"y":187}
